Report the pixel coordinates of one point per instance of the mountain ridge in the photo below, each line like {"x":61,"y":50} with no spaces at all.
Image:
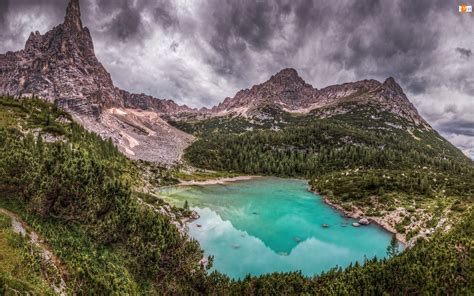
{"x":288,"y":91}
{"x":61,"y":67}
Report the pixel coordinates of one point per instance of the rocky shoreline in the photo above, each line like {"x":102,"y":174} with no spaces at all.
{"x":217,"y":181}
{"x":359,"y":215}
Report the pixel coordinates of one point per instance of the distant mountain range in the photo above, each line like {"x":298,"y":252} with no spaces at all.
{"x":60,"y":66}
{"x":289,"y":92}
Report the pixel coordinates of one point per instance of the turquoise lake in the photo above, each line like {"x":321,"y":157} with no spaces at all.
{"x":269,"y":225}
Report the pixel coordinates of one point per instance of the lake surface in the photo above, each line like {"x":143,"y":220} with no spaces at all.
{"x":268,"y":224}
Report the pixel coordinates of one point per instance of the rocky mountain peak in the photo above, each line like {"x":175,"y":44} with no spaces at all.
{"x":287,"y":73}
{"x":61,"y":66}
{"x":73,"y":16}
{"x":287,"y":77}
{"x":391,"y":85}
{"x":287,"y":91}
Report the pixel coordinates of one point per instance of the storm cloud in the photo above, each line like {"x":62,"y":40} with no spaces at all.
{"x":467,"y":53}
{"x":199,"y":52}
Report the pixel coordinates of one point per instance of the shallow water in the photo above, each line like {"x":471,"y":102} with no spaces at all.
{"x":269,"y":224}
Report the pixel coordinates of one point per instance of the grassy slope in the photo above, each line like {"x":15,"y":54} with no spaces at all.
{"x":21,"y":268}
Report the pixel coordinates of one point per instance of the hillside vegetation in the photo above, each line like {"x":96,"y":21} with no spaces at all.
{"x":75,"y":190}
{"x":363,"y":159}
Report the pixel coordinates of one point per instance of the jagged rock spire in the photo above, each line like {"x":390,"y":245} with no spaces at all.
{"x":73,"y":16}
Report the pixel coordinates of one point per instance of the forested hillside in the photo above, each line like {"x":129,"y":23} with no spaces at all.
{"x":312,"y":147}
{"x":368,"y":159}
{"x":75,"y":190}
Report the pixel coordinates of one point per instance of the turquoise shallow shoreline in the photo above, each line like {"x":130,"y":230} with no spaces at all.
{"x":268,"y":225}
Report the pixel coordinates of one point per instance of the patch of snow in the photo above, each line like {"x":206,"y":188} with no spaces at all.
{"x":118,"y":111}
{"x":132,"y":142}
{"x":128,"y":151}
{"x":393,"y":125}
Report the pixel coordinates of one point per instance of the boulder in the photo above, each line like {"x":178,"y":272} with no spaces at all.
{"x":364,"y":221}
{"x":194,"y":215}
{"x":204,"y":262}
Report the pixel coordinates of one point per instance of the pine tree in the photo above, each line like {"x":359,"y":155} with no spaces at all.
{"x":392,"y":249}
{"x":40,"y":144}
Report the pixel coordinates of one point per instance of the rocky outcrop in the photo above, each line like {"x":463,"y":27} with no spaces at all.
{"x":286,"y":90}
{"x":61,"y":67}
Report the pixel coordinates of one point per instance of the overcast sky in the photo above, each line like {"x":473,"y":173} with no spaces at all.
{"x":199,"y":52}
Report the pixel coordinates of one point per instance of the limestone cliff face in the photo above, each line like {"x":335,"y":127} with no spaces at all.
{"x":61,"y":67}
{"x":146,"y":102}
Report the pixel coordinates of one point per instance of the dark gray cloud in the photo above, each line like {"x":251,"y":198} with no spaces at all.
{"x":126,"y":24}
{"x":165,"y":16}
{"x":387,"y":39}
{"x":459,"y":127}
{"x":17,"y":19}
{"x":234,"y":29}
{"x":3,"y":11}
{"x":464,"y":52}
{"x":198,"y":52}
